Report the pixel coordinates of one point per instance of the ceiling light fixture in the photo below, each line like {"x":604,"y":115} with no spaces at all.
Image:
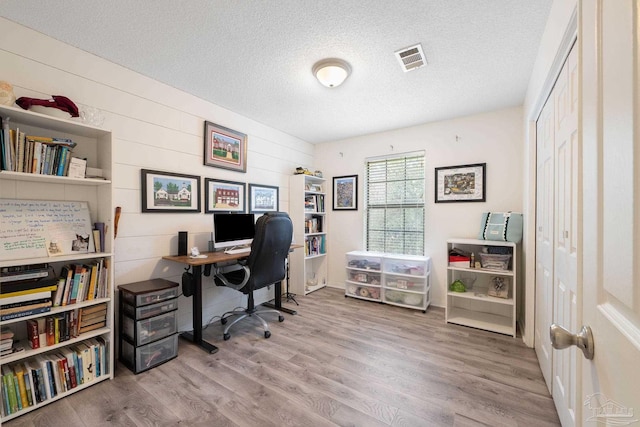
{"x":331,"y":72}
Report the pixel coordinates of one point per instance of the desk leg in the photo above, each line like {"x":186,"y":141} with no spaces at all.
{"x":196,"y":336}
{"x":278,"y":301}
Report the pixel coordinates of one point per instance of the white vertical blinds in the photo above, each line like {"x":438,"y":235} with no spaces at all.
{"x":395,"y":204}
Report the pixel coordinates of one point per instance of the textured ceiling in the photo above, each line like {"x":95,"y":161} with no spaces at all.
{"x":255,"y":57}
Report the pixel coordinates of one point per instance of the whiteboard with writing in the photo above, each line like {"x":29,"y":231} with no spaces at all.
{"x":41,"y":228}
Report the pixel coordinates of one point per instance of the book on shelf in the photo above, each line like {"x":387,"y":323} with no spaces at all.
{"x":29,"y":291}
{"x":25,"y":313}
{"x":100,"y":226}
{"x":25,"y":306}
{"x":18,"y":372}
{"x":26,"y":297}
{"x":19,"y":273}
{"x":11,"y":288}
{"x":6,"y":333}
{"x":15,"y":348}
{"x":10,"y":389}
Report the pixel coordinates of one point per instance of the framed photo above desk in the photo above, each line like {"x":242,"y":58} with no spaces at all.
{"x":263,"y":198}
{"x":224,"y":196}
{"x":169,"y":192}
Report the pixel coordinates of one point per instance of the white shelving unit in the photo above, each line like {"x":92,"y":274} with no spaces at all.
{"x":475,"y":307}
{"x":308,"y":265}
{"x":94,"y":144}
{"x":402,"y":280}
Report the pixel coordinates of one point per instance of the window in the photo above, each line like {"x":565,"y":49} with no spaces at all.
{"x":395,"y":204}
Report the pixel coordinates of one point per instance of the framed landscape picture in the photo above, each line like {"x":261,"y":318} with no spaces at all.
{"x":463,"y":183}
{"x":169,"y":192}
{"x":224,"y":147}
{"x":263,"y":198}
{"x":224,"y":196}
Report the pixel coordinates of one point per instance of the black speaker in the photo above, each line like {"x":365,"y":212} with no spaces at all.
{"x":182,"y":243}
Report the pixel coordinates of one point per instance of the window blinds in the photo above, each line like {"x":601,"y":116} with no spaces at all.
{"x":395,"y":204}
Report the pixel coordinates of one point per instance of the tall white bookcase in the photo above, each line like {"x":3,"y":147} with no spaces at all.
{"x":95,"y":145}
{"x":307,"y":209}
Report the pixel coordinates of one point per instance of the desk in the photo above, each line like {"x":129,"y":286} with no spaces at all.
{"x":196,"y":264}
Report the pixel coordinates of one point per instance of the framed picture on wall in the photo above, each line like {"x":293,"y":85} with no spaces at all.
{"x":345,"y":193}
{"x":463,"y":183}
{"x":169,"y":192}
{"x":263,"y":198}
{"x":224,"y":196}
{"x":224,"y":148}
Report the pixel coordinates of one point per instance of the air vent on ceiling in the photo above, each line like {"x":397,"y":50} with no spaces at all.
{"x":411,"y":57}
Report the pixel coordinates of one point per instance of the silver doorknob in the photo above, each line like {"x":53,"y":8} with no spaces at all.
{"x":561,"y":338}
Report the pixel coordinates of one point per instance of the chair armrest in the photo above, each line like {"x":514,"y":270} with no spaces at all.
{"x":226,"y":282}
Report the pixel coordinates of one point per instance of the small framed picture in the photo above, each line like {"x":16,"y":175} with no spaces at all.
{"x":345,"y":193}
{"x":263,"y":198}
{"x":224,"y":196}
{"x":169,"y":192}
{"x":463,"y":183}
{"x":224,"y":148}
{"x":310,"y":203}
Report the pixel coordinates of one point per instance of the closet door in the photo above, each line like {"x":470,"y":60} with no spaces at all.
{"x":544,"y":237}
{"x":557,"y":245}
{"x":566,"y":245}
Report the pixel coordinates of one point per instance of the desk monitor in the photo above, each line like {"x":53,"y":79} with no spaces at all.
{"x":232,"y":229}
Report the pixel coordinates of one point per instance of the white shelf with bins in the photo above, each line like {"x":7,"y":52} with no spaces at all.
{"x":308,"y":265}
{"x":475,"y":307}
{"x":402,"y":280}
{"x":95,"y":145}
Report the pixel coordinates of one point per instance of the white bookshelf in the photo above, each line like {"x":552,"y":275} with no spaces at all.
{"x":95,"y":145}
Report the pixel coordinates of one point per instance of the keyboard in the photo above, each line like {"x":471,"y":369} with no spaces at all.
{"x":237,"y":251}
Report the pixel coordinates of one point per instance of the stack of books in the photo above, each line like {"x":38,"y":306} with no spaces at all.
{"x":6,"y":341}
{"x":26,"y":290}
{"x":90,"y":318}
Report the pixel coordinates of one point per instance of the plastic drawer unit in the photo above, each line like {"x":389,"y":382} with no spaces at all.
{"x":148,"y":323}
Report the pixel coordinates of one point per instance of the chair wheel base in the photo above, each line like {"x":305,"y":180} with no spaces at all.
{"x":223,"y":321}
{"x":226,"y":336}
{"x":267,"y":334}
{"x":280,"y":318}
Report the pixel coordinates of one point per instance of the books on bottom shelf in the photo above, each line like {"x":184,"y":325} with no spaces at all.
{"x":37,"y":379}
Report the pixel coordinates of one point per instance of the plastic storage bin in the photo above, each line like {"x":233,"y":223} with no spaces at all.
{"x":150,"y":329}
{"x":151,"y":355}
{"x":495,"y":261}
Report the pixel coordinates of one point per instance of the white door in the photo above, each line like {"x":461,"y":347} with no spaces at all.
{"x":557,"y":218}
{"x":610,"y":389}
{"x":565,"y":241}
{"x":545,"y":131}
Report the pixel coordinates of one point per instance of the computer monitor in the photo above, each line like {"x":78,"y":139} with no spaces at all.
{"x":232,"y":229}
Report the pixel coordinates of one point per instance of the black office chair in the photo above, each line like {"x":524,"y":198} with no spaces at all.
{"x":265,"y":266}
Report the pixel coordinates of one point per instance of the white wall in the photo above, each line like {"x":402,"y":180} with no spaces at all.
{"x":495,"y":138}
{"x":154,"y":127}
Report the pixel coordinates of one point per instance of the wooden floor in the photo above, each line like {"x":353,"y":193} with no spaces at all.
{"x":340,"y":361}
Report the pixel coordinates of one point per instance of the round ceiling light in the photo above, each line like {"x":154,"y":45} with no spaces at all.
{"x":331,"y":72}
